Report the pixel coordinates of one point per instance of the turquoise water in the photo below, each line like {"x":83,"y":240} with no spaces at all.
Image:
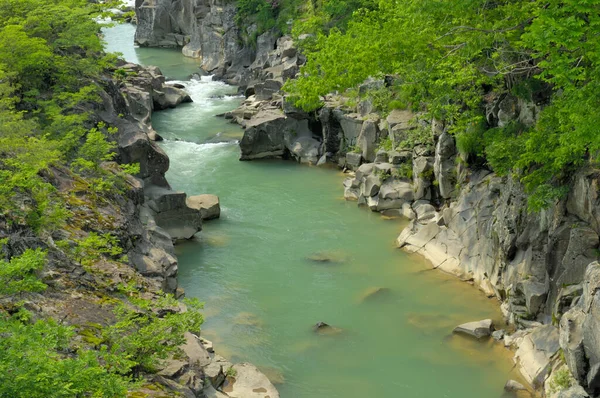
{"x":255,"y":269}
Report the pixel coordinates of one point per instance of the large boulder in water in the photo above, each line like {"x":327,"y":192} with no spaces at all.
{"x":172,"y":213}
{"x":169,"y":97}
{"x":270,"y":133}
{"x":207,"y":205}
{"x":476,"y":329}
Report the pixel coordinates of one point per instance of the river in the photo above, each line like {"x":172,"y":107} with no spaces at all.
{"x":255,"y":270}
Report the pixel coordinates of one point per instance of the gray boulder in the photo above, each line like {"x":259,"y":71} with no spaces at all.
{"x":353,"y":160}
{"x":514,"y":386}
{"x":207,"y":205}
{"x":169,"y":97}
{"x":270,"y":133}
{"x":424,"y":211}
{"x":367,"y":140}
{"x":399,"y":122}
{"x":381,"y":157}
{"x":444,"y":165}
{"x":535,"y":353}
{"x":422,"y":175}
{"x":248,"y":382}
{"x":572,"y":392}
{"x":476,"y":329}
{"x":216,"y":371}
{"x":396,"y":189}
{"x":571,"y":342}
{"x":172,"y":214}
{"x":195,"y":351}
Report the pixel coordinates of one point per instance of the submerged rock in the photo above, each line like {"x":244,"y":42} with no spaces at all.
{"x":247,"y":319}
{"x":513,"y":386}
{"x":375,"y":293}
{"x":327,"y":257}
{"x":274,"y":375}
{"x":476,"y":329}
{"x":326,"y":329}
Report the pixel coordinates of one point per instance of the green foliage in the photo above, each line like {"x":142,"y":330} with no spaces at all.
{"x":470,"y":140}
{"x":320,"y":16}
{"x":417,"y":136}
{"x":446,"y":55}
{"x":262,"y":12}
{"x":386,"y":144}
{"x":50,"y":60}
{"x":503,"y":146}
{"x":95,"y":150}
{"x":92,"y":248}
{"x":19,"y":275}
{"x":405,"y":171}
{"x":561,"y":380}
{"x":231,"y":372}
{"x":355,"y":149}
{"x":39,"y":360}
{"x":131,"y":168}
{"x":143,"y":337}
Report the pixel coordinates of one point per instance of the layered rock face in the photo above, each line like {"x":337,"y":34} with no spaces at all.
{"x":205,"y":29}
{"x":157,"y":215}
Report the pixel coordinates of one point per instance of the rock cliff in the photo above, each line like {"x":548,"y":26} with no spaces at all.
{"x":204,"y":29}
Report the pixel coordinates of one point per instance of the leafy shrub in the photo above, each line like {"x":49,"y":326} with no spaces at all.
{"x":150,"y":331}
{"x":20,"y":273}
{"x":386,"y":144}
{"x":39,"y":360}
{"x":405,"y":171}
{"x":561,"y":380}
{"x":446,"y":58}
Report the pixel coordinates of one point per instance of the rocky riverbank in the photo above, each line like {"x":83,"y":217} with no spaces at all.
{"x":170,"y":216}
{"x":466,"y":220}
{"x":118,"y":245}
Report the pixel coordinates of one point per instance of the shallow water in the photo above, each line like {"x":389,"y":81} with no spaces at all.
{"x":289,"y":252}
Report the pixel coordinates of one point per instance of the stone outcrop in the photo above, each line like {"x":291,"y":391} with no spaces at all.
{"x":535,"y":354}
{"x":208,"y":206}
{"x":207,"y":30}
{"x":129,"y":107}
{"x":270,"y":133}
{"x":157,"y":216}
{"x":246,"y":381}
{"x":146,"y":90}
{"x":170,"y":211}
